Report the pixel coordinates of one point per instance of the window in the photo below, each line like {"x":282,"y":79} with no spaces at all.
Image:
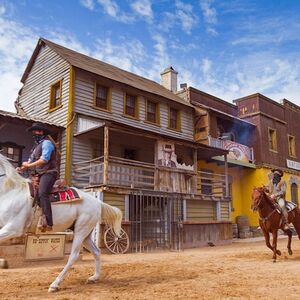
{"x":292,"y":145}
{"x":13,"y":152}
{"x":55,"y":95}
{"x":130,"y":106}
{"x":152,"y":112}
{"x":102,"y":97}
{"x":294,"y":193}
{"x":174,"y":118}
{"x":272,"y":139}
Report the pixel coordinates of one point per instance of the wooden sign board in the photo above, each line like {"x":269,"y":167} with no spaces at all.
{"x":45,"y":247}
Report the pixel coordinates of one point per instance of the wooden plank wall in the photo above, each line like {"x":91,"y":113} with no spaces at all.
{"x":225,"y":213}
{"x":84,"y":91}
{"x":200,"y":210}
{"x":48,"y":68}
{"x":117,"y":200}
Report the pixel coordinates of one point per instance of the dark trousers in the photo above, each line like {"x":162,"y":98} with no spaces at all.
{"x":47,"y":181}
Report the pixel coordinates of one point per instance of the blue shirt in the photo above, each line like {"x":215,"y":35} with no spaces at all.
{"x":47,"y":150}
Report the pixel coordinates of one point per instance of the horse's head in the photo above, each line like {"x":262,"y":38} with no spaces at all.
{"x":257,"y":198}
{"x":9,"y":177}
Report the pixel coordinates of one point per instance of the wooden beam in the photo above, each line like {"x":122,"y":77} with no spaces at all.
{"x":70,"y":129}
{"x":105,"y":155}
{"x":226,"y":176}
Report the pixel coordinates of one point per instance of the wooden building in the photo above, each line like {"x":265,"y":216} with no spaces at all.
{"x":259,"y":133}
{"x":276,"y":143}
{"x":130,"y":141}
{"x":218,"y":124}
{"x":15,"y":141}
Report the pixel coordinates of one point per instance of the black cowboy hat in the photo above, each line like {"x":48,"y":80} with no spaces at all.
{"x":277,"y":171}
{"x":39,"y":126}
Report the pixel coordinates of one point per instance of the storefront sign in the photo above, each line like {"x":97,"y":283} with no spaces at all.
{"x":237,"y":151}
{"x":293,"y":164}
{"x":46,"y":246}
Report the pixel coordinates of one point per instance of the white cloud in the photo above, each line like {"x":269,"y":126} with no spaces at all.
{"x":88,"y":4}
{"x":210,"y":16}
{"x":209,"y":13}
{"x":112,"y":9}
{"x":183,"y":16}
{"x":143,"y":8}
{"x":16,"y":46}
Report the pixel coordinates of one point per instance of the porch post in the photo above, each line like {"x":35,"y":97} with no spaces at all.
{"x":195,"y":157}
{"x":226,"y":176}
{"x":105,"y":155}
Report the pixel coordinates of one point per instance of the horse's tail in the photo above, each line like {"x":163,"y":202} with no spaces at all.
{"x":112,"y":216}
{"x":296,"y":221}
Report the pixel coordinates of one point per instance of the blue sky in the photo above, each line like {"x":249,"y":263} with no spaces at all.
{"x":227,"y":48}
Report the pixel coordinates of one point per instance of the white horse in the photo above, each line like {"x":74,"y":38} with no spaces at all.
{"x":16,"y":214}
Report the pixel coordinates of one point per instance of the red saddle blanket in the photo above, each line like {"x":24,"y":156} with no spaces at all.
{"x":67,"y":195}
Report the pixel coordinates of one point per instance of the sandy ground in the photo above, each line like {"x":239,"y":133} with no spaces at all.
{"x":236,"y":271}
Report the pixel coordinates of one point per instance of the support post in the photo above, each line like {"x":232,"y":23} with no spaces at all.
{"x":105,"y":155}
{"x":226,"y":176}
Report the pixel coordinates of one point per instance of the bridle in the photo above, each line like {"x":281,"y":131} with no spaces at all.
{"x":258,"y":202}
{"x":258,"y":206}
{"x":1,"y":175}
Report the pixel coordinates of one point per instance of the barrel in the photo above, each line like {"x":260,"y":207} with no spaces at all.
{"x":243,"y":227}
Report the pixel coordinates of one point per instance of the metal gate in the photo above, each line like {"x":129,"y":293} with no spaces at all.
{"x":155,"y":221}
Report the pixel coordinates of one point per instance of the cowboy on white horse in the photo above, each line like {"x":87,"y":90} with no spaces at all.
{"x":42,"y":163}
{"x":16,"y":214}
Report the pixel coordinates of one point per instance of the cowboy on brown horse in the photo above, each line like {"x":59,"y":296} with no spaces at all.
{"x":277,"y":191}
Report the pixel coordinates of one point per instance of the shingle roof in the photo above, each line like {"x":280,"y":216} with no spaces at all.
{"x":106,"y":70}
{"x":12,"y":115}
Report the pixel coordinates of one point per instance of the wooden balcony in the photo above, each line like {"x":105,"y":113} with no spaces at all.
{"x":131,"y":174}
{"x":236,"y":151}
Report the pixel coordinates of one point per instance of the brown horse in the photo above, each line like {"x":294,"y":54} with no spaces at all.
{"x":270,"y":220}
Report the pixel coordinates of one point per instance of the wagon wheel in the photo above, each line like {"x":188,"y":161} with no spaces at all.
{"x":116,"y":244}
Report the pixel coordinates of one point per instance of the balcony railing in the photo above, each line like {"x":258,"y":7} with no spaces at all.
{"x":236,"y":151}
{"x":141,"y":175}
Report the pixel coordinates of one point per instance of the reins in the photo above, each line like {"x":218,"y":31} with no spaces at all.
{"x":1,"y":175}
{"x":269,"y":215}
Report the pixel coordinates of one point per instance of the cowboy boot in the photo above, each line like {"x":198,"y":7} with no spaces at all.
{"x":285,"y":220}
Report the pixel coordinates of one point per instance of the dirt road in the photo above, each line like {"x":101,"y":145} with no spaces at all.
{"x":237,"y":271}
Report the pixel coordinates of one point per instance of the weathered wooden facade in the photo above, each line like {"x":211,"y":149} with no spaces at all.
{"x":259,"y":134}
{"x":15,"y":141}
{"x":125,"y":137}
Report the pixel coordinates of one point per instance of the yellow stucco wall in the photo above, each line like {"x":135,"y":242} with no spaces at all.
{"x":243,"y":181}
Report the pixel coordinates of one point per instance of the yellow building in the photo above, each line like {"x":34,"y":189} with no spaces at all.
{"x":259,"y":134}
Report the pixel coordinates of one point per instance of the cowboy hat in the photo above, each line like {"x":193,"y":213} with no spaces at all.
{"x":167,"y":148}
{"x":39,"y":126}
{"x":277,"y":171}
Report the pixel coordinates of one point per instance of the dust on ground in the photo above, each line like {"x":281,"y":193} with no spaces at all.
{"x":236,"y":271}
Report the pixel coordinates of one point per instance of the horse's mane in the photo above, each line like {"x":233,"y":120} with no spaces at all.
{"x":262,"y":190}
{"x":12,"y":179}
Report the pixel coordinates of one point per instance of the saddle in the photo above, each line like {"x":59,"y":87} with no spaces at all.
{"x":60,"y":193}
{"x":288,"y":205}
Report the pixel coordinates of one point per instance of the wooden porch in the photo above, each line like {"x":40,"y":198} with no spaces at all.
{"x":131,"y":174}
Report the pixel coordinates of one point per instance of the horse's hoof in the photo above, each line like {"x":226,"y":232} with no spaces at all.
{"x":278,"y":252}
{"x":274,"y":260}
{"x":53,"y":289}
{"x":92,"y":280}
{"x":290,"y":251}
